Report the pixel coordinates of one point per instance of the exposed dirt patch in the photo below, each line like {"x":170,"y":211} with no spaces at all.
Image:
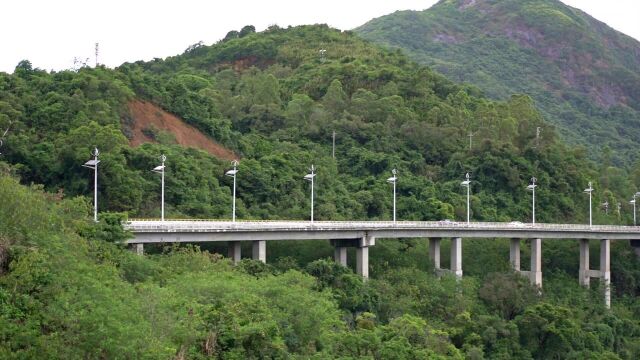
{"x":145,"y":116}
{"x":241,"y":64}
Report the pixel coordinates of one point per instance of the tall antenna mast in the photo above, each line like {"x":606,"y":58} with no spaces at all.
{"x":97,"y":51}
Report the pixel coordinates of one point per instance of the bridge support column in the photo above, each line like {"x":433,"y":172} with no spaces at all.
{"x":138,"y":249}
{"x":340,"y":255}
{"x":535,"y":275}
{"x":605,"y":270}
{"x":456,"y":257}
{"x":234,"y":251}
{"x":583,"y":271}
{"x":260,"y":250}
{"x":604,"y":274}
{"x":362,"y":256}
{"x":514,"y":254}
{"x":434,"y":252}
{"x":362,"y":261}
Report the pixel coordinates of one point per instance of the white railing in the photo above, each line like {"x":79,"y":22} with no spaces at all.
{"x":143,"y":225}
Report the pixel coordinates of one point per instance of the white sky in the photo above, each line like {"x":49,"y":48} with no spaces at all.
{"x":50,"y":33}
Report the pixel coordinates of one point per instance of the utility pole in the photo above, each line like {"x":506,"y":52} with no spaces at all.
{"x":538,"y":129}
{"x":471,"y":135}
{"x":4,"y":134}
{"x":333,"y":151}
{"x":97,"y":51}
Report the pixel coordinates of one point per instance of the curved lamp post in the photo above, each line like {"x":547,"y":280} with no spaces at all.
{"x":589,"y":190}
{"x":532,"y":187}
{"x":467,"y":184}
{"x":93,"y":164}
{"x":232,"y":173}
{"x":310,"y":177}
{"x":160,"y":170}
{"x":393,"y":180}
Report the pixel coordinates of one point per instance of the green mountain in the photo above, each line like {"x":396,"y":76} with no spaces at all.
{"x":69,"y":290}
{"x":583,"y":75}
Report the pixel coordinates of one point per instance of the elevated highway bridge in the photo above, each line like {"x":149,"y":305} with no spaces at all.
{"x":362,"y":235}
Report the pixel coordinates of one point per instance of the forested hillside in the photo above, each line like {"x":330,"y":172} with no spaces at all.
{"x":583,"y":75}
{"x":68,"y":290}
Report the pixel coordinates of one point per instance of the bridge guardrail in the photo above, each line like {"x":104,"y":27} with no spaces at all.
{"x":223,"y":225}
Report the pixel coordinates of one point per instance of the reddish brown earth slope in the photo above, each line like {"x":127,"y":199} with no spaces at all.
{"x":146,"y":115}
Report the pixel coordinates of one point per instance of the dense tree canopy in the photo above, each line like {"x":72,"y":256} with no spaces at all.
{"x":69,"y":290}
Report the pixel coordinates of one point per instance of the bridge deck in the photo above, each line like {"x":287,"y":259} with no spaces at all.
{"x":207,"y":230}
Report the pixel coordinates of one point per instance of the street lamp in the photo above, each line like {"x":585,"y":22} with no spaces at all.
{"x":589,"y":190}
{"x":309,"y":177}
{"x":93,"y":164}
{"x":633,"y":201}
{"x":532,"y":187}
{"x":393,"y":180}
{"x":467,"y":183}
{"x":233,"y":173}
{"x":160,"y":169}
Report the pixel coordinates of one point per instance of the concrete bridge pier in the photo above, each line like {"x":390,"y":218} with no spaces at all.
{"x":260,"y":250}
{"x":456,"y":256}
{"x":584,"y":276}
{"x":340,"y":255}
{"x":514,"y":254}
{"x":535,"y":272}
{"x":340,"y":247}
{"x":362,"y":261}
{"x":604,"y":274}
{"x":434,"y":252}
{"x":138,"y":249}
{"x":234,"y":251}
{"x":605,"y":270}
{"x":362,"y":255}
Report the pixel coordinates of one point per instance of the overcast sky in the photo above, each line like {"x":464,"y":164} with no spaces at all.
{"x":51,"y":33}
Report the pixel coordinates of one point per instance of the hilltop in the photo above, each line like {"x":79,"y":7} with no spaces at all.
{"x":583,"y":75}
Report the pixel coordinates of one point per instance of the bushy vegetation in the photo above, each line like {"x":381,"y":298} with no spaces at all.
{"x":69,"y":290}
{"x":582,"y":74}
{"x":63,"y":295}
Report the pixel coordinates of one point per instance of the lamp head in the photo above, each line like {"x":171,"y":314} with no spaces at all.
{"x":91,"y":164}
